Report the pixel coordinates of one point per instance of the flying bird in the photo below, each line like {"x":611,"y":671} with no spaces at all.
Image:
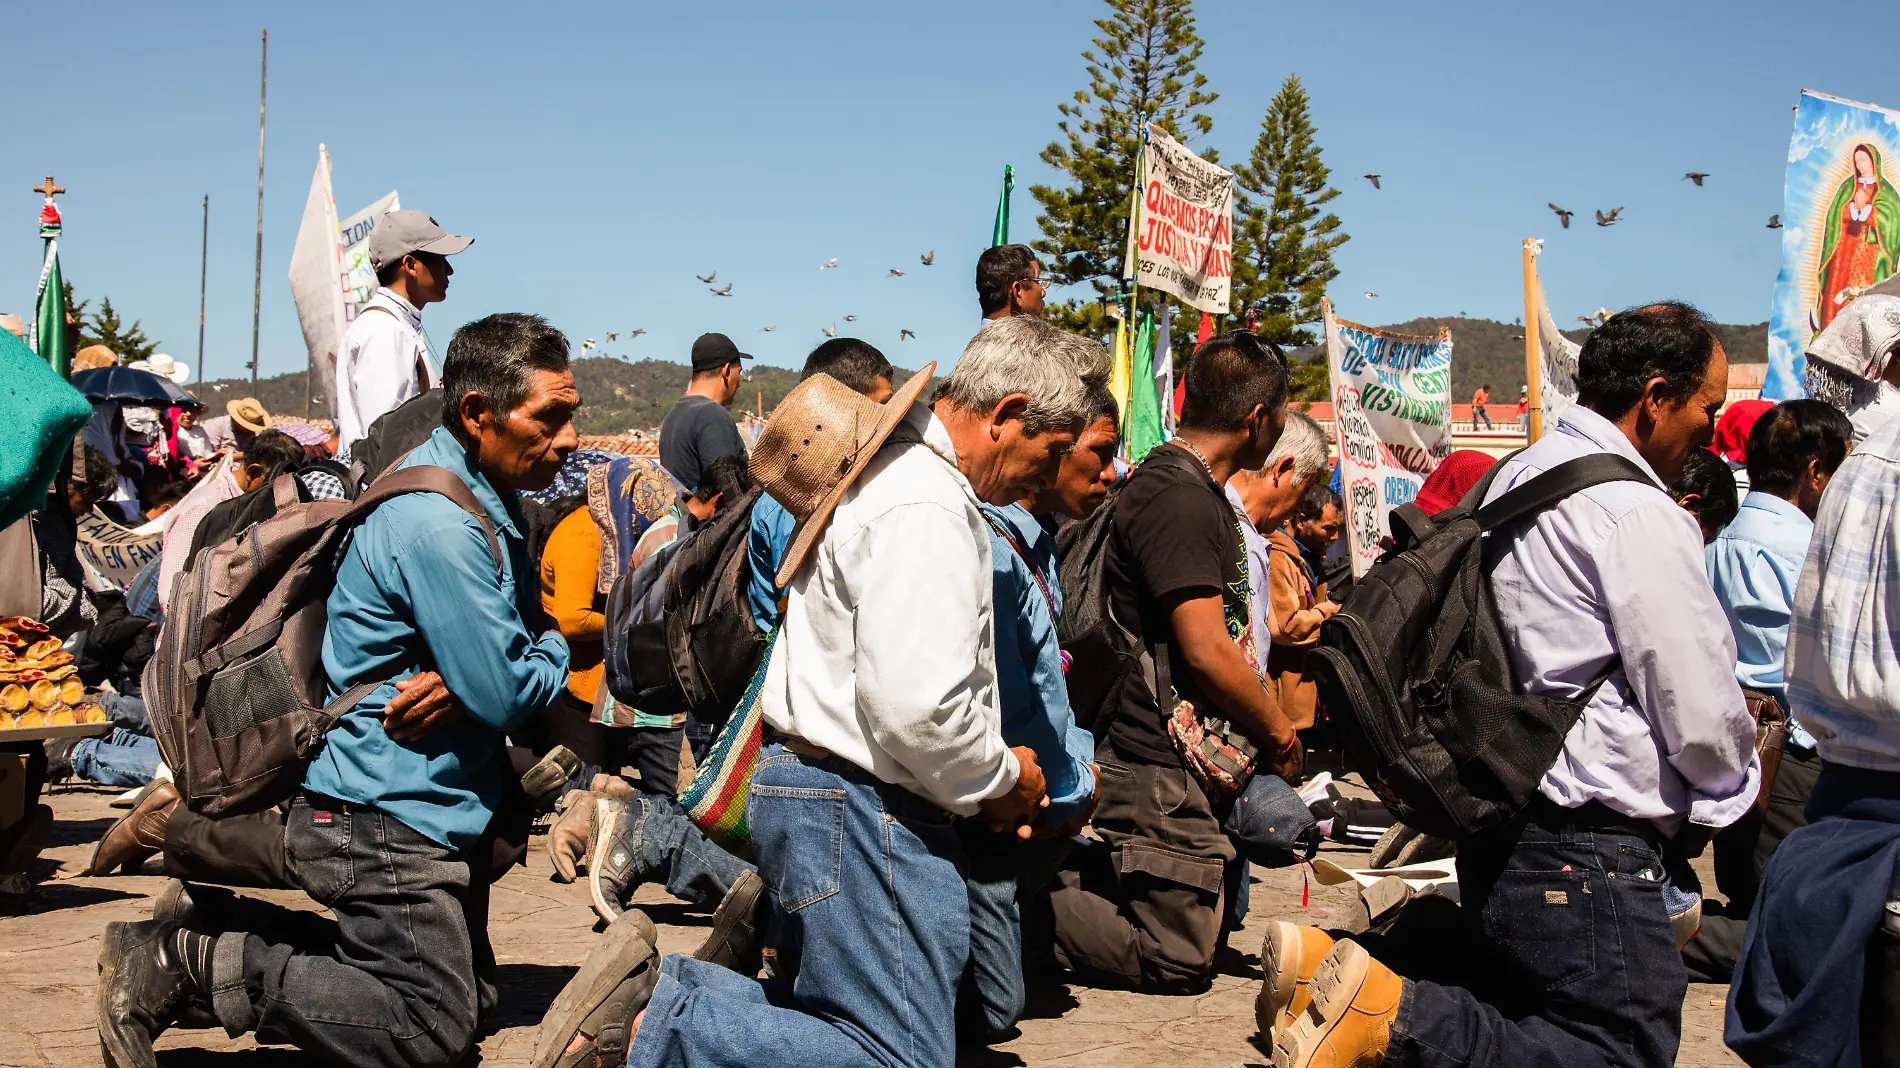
{"x":1370,"y":295}
{"x":1774,"y":222}
{"x":631,"y":334}
{"x":895,"y":273}
{"x":1696,"y":177}
{"x":906,"y":335}
{"x":726,"y":292}
{"x":828,"y":264}
{"x":1562,"y":215}
{"x":768,"y":329}
{"x":1373,"y":178}
{"x":1608,"y":218}
{"x":587,"y":344}
{"x":928,"y":258}
{"x":707,"y":278}
{"x":1587,"y":319}
{"x":850,"y":318}
{"x":611,"y":335}
{"x":832,"y":330}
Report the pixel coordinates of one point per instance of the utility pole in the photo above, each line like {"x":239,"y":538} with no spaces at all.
{"x":204,"y":257}
{"x":257,"y":277}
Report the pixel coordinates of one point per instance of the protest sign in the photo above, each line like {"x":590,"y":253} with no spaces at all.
{"x":1840,"y":225}
{"x":1181,"y":233}
{"x":1392,"y":412}
{"x":1556,"y":355}
{"x":330,"y":275}
{"x":116,"y":552}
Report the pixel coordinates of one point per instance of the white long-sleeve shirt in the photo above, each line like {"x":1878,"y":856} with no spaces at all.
{"x":1617,"y":570}
{"x":887,"y":652}
{"x":384,"y":360}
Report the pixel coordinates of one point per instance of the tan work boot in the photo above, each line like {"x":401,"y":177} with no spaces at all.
{"x":571,"y":833}
{"x":1349,"y":1021}
{"x":1289,"y":957}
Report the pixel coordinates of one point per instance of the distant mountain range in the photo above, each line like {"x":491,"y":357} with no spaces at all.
{"x":622,"y":396}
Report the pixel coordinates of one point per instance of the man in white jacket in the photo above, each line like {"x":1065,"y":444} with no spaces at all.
{"x":882,"y":685}
{"x":385,"y":359}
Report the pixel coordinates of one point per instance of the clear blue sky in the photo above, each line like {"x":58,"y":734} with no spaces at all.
{"x":602,"y":154}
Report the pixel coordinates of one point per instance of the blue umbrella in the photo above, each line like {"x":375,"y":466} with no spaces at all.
{"x":138,"y":387}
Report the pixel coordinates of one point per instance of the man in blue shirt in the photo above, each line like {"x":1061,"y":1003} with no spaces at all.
{"x":856,"y":364}
{"x":385,"y":830}
{"x":1005,"y":869}
{"x":1754,"y":566}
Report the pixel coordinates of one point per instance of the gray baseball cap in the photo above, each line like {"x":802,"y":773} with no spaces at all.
{"x":398,"y":233}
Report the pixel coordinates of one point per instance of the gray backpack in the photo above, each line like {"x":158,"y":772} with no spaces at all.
{"x":236,"y":691}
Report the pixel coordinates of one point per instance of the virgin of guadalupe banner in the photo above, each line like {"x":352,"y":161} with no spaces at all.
{"x":1840,"y":225}
{"x":1392,"y":412}
{"x":1181,"y":231}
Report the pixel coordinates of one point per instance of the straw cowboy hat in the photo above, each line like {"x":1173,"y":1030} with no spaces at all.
{"x":249,"y":414}
{"x":817,"y":442}
{"x":93,"y":356}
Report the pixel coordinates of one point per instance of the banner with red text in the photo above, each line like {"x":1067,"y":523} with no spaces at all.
{"x":1181,"y":233}
{"x":1392,"y":413}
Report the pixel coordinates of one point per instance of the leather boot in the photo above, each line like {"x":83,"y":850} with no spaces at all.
{"x":738,"y":928}
{"x":143,"y":989}
{"x":138,"y":835}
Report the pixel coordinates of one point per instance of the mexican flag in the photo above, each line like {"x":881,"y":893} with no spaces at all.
{"x":51,"y":338}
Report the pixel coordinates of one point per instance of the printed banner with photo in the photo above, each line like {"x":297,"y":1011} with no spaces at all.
{"x":115,"y":552}
{"x":1181,"y":233}
{"x":330,"y":275}
{"x":1840,"y":225}
{"x":1558,"y":357}
{"x":1392,"y":412}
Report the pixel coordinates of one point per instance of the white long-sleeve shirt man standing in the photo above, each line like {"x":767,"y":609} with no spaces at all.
{"x":385,"y":359}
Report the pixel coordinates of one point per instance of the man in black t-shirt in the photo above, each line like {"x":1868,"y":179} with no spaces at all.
{"x":699,"y":429}
{"x":1143,"y":909}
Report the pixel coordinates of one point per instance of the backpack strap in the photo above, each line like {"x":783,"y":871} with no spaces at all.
{"x":1554,"y":485}
{"x":427,"y":478}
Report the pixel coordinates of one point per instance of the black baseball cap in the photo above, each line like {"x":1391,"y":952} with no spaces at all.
{"x":714,"y":351}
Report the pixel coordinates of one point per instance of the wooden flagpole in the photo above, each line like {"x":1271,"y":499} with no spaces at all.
{"x":1533,"y":351}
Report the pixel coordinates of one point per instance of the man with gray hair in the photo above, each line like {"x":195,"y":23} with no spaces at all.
{"x":882,"y":686}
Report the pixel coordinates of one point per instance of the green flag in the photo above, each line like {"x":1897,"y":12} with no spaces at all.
{"x":999,"y":235}
{"x":51,"y":339}
{"x":1141,"y":417}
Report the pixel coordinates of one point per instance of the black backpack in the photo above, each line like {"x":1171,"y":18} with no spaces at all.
{"x":700,"y":655}
{"x":1415,"y":670}
{"x":280,"y":489}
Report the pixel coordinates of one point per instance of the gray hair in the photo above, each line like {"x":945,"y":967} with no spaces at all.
{"x":1306,"y":443}
{"x":1023,"y":354}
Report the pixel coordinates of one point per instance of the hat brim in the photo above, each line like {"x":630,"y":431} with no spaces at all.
{"x":806,"y":534}
{"x":447,"y":245}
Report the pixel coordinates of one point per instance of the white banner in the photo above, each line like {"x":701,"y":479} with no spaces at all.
{"x":1181,"y":233}
{"x":330,"y":275}
{"x":1392,"y":412}
{"x":115,"y":552}
{"x":1559,"y":357}
{"x":359,"y":278}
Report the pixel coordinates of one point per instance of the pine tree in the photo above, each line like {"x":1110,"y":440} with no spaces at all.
{"x":1283,"y":246}
{"x":104,"y":328}
{"x":1141,"y":70}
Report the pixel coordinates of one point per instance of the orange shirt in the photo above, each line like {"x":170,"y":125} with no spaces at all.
{"x":1480,"y":397}
{"x":570,"y":566}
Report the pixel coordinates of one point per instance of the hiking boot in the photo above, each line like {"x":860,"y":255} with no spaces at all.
{"x":59,"y":758}
{"x":1348,"y":1024}
{"x":143,"y":989}
{"x":1289,"y":957}
{"x":620,"y":857}
{"x":571,"y":835}
{"x":137,"y":836}
{"x":591,"y":1023}
{"x":738,"y":928}
{"x":543,"y":782}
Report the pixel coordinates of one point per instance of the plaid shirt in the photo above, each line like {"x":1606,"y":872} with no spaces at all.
{"x":1843,"y":665}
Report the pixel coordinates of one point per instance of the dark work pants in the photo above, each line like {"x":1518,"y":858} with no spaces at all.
{"x":243,"y":850}
{"x":655,"y":753}
{"x":1572,"y":959}
{"x":399,"y":987}
{"x":1741,"y":852}
{"x":1141,"y":909}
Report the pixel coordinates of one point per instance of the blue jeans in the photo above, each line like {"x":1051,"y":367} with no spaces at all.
{"x":120,"y":758}
{"x":667,"y":846}
{"x":1004,"y":872}
{"x":876,"y":918}
{"x":1572,"y":959}
{"x":126,"y":710}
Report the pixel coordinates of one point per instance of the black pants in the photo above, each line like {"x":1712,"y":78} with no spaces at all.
{"x":1573,"y":962}
{"x":243,"y":850}
{"x":1741,"y":852}
{"x":399,"y":987}
{"x":655,"y":753}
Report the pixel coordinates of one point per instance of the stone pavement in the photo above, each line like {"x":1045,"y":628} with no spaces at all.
{"x":542,"y":929}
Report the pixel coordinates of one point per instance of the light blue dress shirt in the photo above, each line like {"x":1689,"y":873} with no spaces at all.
{"x":1029,"y":682}
{"x":1755,"y":565}
{"x":418,"y":585}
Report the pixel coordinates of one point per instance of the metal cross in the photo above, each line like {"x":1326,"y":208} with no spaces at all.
{"x":49,"y":188}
